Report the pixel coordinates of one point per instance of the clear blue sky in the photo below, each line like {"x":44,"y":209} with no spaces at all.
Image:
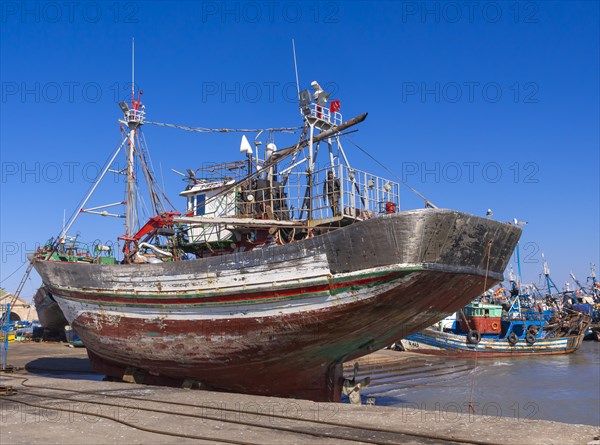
{"x":487,"y":105}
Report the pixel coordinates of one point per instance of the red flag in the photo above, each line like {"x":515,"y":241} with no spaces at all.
{"x":334,"y":106}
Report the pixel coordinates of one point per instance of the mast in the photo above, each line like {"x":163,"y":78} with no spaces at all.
{"x":296,"y":68}
{"x":132,"y":68}
{"x":549,"y":283}
{"x":581,"y":288}
{"x":595,"y":289}
{"x":130,"y":194}
{"x":519,"y":276}
{"x":134,"y":118}
{"x":320,"y":116}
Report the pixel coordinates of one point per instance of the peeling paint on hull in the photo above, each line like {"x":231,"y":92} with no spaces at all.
{"x":281,"y":320}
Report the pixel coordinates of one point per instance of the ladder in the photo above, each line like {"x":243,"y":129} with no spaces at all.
{"x":5,"y":320}
{"x":13,"y":300}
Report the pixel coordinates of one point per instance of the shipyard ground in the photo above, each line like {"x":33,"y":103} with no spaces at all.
{"x":57,"y":399}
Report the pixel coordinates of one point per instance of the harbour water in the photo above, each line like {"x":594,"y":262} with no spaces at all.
{"x":563,"y":388}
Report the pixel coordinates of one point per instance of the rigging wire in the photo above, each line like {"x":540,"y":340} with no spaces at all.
{"x":14,"y":272}
{"x":84,"y":200}
{"x":225,"y":130}
{"x":471,"y":405}
{"x":428,"y":203}
{"x":149,"y":170}
{"x":255,"y":174}
{"x":143,"y":208}
{"x":141,"y":151}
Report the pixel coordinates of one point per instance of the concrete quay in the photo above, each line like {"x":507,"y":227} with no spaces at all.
{"x":58,"y":399}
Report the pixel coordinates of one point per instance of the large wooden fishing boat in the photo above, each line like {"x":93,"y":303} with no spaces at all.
{"x":277,"y":272}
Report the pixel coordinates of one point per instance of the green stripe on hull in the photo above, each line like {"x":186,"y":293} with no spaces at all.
{"x":321,"y":293}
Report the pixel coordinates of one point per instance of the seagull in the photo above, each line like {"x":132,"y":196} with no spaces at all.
{"x":489,"y":213}
{"x":520,"y":223}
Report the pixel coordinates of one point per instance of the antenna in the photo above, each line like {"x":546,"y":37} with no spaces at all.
{"x":296,"y":67}
{"x":132,"y":69}
{"x":179,"y":173}
{"x":546,"y":268}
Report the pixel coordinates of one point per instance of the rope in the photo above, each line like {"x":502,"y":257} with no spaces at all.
{"x":428,"y":203}
{"x":129,"y":424}
{"x":271,"y":415}
{"x":487,"y":269}
{"x":14,"y":272}
{"x":225,"y":130}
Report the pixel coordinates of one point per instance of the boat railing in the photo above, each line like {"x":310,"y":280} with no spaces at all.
{"x":350,"y":193}
{"x":534,"y":315}
{"x":363,"y":195}
{"x":323,"y":113}
{"x":136,"y":115}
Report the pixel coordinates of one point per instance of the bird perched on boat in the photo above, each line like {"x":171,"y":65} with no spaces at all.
{"x":520,"y":223}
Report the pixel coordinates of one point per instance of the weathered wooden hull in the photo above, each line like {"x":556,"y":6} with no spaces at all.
{"x":281,"y":320}
{"x":49,"y":313}
{"x":434,"y":342}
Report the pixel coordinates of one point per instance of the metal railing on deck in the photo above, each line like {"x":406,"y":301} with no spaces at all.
{"x":350,"y":193}
{"x":362,"y":195}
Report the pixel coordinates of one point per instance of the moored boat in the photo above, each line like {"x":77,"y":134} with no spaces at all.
{"x":482,"y":330}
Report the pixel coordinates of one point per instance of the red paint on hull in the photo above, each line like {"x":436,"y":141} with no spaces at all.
{"x":251,"y":297}
{"x":483,"y":325}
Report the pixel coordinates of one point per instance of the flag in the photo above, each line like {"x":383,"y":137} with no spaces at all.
{"x":334,"y":106}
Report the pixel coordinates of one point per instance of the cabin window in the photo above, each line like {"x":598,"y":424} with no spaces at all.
{"x":200,"y":204}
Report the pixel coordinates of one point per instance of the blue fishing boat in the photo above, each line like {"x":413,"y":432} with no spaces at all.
{"x":482,"y":328}
{"x":587,"y":300}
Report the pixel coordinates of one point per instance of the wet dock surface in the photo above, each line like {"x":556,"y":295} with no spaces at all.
{"x":59,"y":399}
{"x":563,"y":388}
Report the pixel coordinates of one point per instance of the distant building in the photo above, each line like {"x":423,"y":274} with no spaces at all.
{"x":20,"y":310}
